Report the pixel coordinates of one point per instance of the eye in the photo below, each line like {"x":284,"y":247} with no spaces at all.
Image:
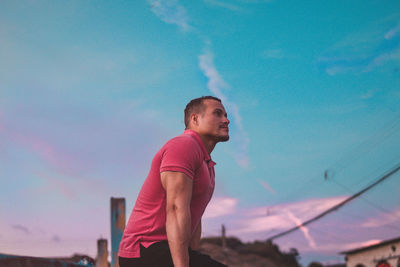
{"x":218,"y":112}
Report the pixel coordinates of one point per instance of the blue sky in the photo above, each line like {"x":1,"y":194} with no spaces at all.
{"x":89,"y":91}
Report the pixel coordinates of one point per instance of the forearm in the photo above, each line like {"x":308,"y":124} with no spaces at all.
{"x":178,"y":226}
{"x":195,"y":241}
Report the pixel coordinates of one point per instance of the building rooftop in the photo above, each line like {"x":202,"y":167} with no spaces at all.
{"x":371,"y":246}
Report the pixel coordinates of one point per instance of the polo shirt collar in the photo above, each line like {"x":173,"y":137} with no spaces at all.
{"x":196,"y":136}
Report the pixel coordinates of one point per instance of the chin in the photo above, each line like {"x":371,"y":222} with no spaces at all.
{"x":223,"y":138}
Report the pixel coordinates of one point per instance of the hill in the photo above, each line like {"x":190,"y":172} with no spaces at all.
{"x":255,"y":254}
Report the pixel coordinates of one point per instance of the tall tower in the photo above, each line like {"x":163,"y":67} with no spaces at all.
{"x":102,"y":253}
{"x":117,"y":227}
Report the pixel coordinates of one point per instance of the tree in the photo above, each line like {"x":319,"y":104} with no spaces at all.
{"x":315,"y":264}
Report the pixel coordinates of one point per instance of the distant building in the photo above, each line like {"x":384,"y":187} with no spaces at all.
{"x":117,"y":227}
{"x":383,"y":254}
{"x":102,"y":253}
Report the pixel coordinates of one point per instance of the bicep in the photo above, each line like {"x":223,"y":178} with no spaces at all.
{"x":178,"y":187}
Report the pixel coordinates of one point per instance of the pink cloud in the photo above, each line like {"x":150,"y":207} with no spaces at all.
{"x":383,"y":220}
{"x":56,"y":158}
{"x":304,"y":209}
{"x":262,"y":222}
{"x":220,"y":206}
{"x":70,"y":187}
{"x":58,"y":184}
{"x":63,"y":168}
{"x":267,"y":186}
{"x":282,"y":216}
{"x":303,"y":228}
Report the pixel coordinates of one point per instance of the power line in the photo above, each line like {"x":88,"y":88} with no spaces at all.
{"x":376,"y":206}
{"x":339,"y":205}
{"x":367,"y":145}
{"x":367,"y":201}
{"x":352,"y":156}
{"x":361,"y":180}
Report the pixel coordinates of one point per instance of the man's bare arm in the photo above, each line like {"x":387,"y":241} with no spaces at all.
{"x":178,"y":187}
{"x":195,"y":242}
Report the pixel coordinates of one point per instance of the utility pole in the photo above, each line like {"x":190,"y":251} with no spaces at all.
{"x":223,"y":237}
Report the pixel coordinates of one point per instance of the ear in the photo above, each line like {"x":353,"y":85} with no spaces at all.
{"x":194,"y":119}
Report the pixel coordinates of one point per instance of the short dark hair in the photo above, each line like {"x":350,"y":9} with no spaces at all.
{"x":196,"y":106}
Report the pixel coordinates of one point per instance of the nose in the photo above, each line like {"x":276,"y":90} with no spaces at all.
{"x":227,"y":121}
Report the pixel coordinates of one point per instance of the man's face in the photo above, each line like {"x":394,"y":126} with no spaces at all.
{"x":213,"y":122}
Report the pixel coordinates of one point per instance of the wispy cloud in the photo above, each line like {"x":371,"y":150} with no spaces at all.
{"x":281,"y":217}
{"x":215,"y":82}
{"x":238,"y":5}
{"x":267,"y":186}
{"x":369,"y":94}
{"x":260,"y":223}
{"x":171,"y":12}
{"x":55,"y":183}
{"x":56,"y":239}
{"x":76,"y":143}
{"x":303,"y":228}
{"x":21,"y":228}
{"x":216,"y":85}
{"x":222,"y":4}
{"x":273,"y":53}
{"x":220,"y":206}
{"x":393,"y":32}
{"x":363,"y":54}
{"x":44,"y":149}
{"x":383,"y":220}
{"x":381,"y":58}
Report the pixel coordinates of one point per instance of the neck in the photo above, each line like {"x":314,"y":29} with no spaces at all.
{"x":209,"y":143}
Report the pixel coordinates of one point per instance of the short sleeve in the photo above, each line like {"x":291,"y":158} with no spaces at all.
{"x":181,"y":154}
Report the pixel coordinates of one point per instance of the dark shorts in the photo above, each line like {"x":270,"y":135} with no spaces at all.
{"x":158,"y":255}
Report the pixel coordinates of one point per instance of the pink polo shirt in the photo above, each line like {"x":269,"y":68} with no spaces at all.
{"x":185,"y":153}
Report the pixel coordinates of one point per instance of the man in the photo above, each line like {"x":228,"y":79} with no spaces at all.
{"x":164,"y":228}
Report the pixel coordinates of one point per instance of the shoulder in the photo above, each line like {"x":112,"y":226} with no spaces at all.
{"x":183,"y":146}
{"x":181,"y":154}
{"x":183,"y":141}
